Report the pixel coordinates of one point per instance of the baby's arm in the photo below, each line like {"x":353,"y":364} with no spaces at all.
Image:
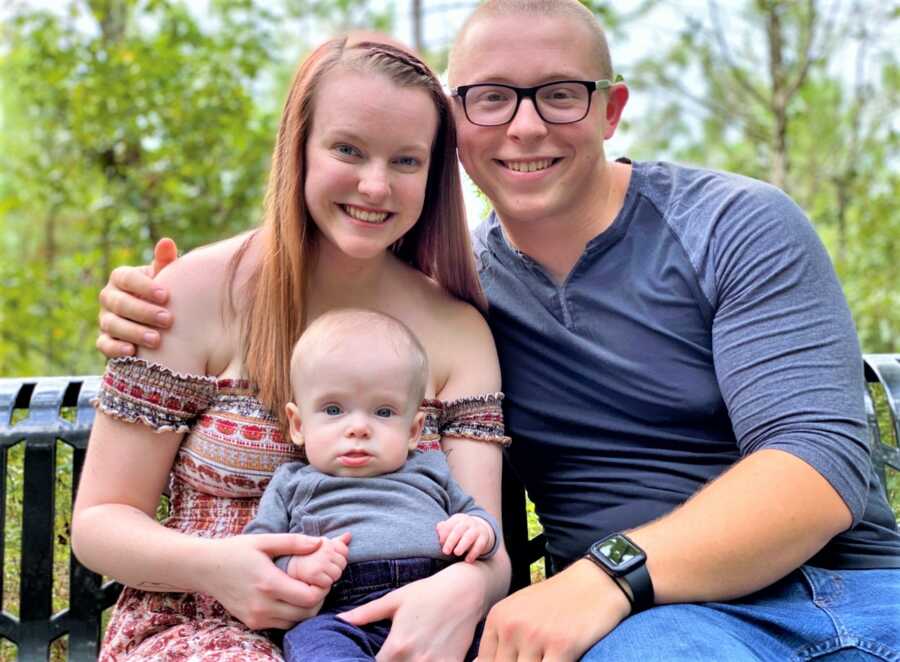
{"x":470,"y":530}
{"x":466,"y":534}
{"x":322,"y":567}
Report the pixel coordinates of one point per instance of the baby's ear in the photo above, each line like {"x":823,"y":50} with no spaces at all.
{"x":294,"y":424}
{"x":415,"y":429}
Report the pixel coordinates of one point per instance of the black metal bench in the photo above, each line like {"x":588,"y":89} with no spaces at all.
{"x":42,"y":413}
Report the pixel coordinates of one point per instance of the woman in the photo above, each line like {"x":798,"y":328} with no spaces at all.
{"x":364,"y":209}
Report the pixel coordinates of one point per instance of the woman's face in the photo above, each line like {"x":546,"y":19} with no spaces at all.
{"x":367,"y":160}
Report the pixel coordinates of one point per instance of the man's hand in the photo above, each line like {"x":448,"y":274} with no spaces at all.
{"x":465,"y":534}
{"x":557,"y":620}
{"x":127,"y":317}
{"x":324,"y":566}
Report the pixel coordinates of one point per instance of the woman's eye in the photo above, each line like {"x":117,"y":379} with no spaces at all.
{"x":408,"y":162}
{"x":332,"y":410}
{"x":384,"y":412}
{"x":346,"y":150}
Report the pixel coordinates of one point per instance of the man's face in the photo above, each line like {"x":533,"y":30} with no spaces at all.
{"x":532,"y":170}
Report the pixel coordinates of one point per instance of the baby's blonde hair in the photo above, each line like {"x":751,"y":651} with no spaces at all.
{"x":333,"y":330}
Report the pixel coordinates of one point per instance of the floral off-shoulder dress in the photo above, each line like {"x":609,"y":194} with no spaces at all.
{"x":231,"y":449}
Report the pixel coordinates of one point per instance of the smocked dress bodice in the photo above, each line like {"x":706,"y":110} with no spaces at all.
{"x":233,"y":444}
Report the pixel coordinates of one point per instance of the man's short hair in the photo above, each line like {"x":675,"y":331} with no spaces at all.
{"x":541,"y":9}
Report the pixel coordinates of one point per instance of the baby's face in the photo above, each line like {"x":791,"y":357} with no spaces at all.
{"x":355,"y":413}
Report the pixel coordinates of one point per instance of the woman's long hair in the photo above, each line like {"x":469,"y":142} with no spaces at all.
{"x":437,"y":245}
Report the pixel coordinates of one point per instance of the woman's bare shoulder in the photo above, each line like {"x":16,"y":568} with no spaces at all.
{"x":460,"y":343}
{"x":205,"y":268}
{"x":198,"y":285}
{"x":442,"y":306}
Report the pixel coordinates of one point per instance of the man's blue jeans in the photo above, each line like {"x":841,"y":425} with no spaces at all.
{"x":812,"y":614}
{"x":327,"y":638}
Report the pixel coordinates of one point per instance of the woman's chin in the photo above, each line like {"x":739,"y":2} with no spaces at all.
{"x":360,"y":250}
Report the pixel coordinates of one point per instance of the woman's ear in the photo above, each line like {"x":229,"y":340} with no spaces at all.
{"x":294,"y":424}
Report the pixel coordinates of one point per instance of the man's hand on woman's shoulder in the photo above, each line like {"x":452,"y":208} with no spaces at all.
{"x":132,"y":306}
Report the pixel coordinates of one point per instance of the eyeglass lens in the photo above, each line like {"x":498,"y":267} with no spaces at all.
{"x":559,"y":103}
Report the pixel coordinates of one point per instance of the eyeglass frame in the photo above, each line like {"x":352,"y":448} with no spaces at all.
{"x":592,"y":86}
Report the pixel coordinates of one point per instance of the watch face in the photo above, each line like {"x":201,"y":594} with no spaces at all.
{"x":618,"y":553}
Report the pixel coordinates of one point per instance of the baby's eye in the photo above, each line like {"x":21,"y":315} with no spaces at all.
{"x":384,"y":412}
{"x":332,"y":410}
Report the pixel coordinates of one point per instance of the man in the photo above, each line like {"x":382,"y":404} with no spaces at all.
{"x":683,"y":379}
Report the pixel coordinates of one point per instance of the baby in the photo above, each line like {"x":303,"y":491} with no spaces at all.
{"x":358,"y":379}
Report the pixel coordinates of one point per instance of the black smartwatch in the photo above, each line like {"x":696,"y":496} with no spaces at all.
{"x":624,"y":561}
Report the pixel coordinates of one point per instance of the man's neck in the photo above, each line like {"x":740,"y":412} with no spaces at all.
{"x":558,"y":243}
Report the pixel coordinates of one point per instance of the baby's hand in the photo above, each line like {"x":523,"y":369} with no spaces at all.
{"x":465,"y":533}
{"x":324,"y":566}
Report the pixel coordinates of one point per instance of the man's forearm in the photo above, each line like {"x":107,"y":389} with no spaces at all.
{"x":753,"y":525}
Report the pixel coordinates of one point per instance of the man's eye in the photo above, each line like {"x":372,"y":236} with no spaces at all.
{"x":384,"y":412}
{"x":491,"y":97}
{"x":332,"y":410}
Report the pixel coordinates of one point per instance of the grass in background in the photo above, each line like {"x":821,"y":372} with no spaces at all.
{"x":538,"y":571}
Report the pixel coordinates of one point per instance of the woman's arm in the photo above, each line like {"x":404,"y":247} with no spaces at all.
{"x":435,"y":618}
{"x":114,"y":530}
{"x":477,"y":465}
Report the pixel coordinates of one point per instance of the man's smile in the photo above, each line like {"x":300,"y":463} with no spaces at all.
{"x":532,"y":165}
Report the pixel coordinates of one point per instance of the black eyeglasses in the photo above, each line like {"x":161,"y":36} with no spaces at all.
{"x":559,"y":102}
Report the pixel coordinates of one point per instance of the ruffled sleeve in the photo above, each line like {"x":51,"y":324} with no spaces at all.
{"x":136,"y":391}
{"x":431,"y":432}
{"x":477,"y":417}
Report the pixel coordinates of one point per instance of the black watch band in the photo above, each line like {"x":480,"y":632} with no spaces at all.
{"x":641,"y":586}
{"x":625,"y":562}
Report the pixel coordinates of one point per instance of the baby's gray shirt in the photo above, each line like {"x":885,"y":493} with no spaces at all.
{"x":391,"y":516}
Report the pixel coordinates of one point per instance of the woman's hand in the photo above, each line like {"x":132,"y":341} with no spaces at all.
{"x":433,"y":618}
{"x":127,"y":317}
{"x":240,"y":574}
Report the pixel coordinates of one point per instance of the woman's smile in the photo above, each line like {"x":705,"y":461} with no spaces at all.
{"x":366,"y":215}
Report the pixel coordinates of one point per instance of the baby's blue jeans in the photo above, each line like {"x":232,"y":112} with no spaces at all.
{"x":326,"y":638}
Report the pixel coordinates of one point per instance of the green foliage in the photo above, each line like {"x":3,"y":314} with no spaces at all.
{"x":140,"y":127}
{"x":124,"y":121}
{"x":807,"y":98}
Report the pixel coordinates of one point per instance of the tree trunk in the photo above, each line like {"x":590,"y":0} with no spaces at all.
{"x":417,"y":26}
{"x":778,"y":78}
